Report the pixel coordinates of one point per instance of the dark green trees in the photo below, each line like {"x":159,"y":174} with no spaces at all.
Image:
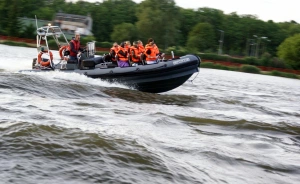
{"x":9,"y":13}
{"x":158,"y":19}
{"x":202,"y":38}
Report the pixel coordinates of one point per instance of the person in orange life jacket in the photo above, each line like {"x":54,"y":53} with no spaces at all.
{"x":45,"y":57}
{"x":151,"y":52}
{"x":113,"y":51}
{"x":75,"y":47}
{"x":122,"y":56}
{"x":140,"y":46}
{"x":134,"y":53}
{"x":127,"y":47}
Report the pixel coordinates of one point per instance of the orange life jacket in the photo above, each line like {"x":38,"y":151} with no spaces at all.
{"x":120,"y":56}
{"x":113,"y":52}
{"x":134,"y":54}
{"x":141,"y":49}
{"x":127,"y":48}
{"x":152,"y":55}
{"x":76,"y":47}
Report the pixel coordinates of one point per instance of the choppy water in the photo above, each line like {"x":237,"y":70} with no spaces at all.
{"x":225,"y":127}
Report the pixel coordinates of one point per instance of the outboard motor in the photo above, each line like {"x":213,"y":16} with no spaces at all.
{"x":90,"y":47}
{"x":87,"y":58}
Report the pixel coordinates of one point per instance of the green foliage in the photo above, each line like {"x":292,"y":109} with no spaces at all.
{"x":123,"y":32}
{"x":266,"y":59}
{"x":278,"y":63}
{"x":207,"y":64}
{"x":283,"y":74}
{"x":29,"y":32}
{"x":290,"y":28}
{"x":45,"y":13}
{"x":104,"y":44}
{"x":214,"y":17}
{"x":214,"y":57}
{"x":289,"y":51}
{"x":52,"y":45}
{"x":9,"y":11}
{"x":251,"y":61}
{"x":21,"y":44}
{"x":178,"y":51}
{"x":249,"y":69}
{"x":237,"y":60}
{"x":110,"y":13}
{"x":217,"y":66}
{"x":84,"y":40}
{"x":201,"y":38}
{"x":158,"y":19}
{"x":28,"y":8}
{"x":187,"y":20}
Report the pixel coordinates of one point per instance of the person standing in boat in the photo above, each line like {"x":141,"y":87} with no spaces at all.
{"x":151,"y":52}
{"x":75,"y":47}
{"x":122,"y":56}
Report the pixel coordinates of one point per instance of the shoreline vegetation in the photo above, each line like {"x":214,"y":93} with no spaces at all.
{"x":207,"y":62}
{"x":249,"y":69}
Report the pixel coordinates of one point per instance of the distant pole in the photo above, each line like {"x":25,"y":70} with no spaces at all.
{"x":36,"y":23}
{"x":257,"y":48}
{"x":265,"y":46}
{"x":248,"y":46}
{"x":257,"y":44}
{"x":221,"y":42}
{"x":253,"y":45}
{"x":255,"y":51}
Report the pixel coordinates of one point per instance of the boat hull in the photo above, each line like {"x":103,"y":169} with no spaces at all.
{"x":157,"y":78}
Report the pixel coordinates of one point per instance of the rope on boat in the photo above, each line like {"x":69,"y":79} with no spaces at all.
{"x":194,"y":77}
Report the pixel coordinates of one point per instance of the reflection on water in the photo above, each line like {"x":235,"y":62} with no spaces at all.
{"x":141,"y":97}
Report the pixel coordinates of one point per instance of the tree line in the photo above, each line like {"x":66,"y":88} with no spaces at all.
{"x":189,"y":30}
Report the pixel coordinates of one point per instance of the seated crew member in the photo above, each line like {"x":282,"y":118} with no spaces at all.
{"x":159,"y":55}
{"x":141,"y":51}
{"x":45,"y":58}
{"x":151,"y":52}
{"x":122,"y":56}
{"x":113,"y":52}
{"x":140,"y":46}
{"x":127,"y":46}
{"x":134,"y":53}
{"x":75,"y":47}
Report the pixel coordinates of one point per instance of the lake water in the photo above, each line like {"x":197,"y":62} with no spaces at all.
{"x":224,"y":127}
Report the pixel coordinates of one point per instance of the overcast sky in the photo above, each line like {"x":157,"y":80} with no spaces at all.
{"x":276,"y":10}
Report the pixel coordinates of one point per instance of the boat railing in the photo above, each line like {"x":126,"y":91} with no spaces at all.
{"x":49,"y":31}
{"x":44,"y":32}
